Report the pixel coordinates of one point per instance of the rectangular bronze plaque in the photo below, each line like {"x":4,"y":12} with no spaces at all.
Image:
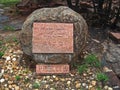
{"x":52,"y":38}
{"x":52,"y":69}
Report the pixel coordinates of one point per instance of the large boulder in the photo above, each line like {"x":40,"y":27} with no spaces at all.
{"x":60,"y":14}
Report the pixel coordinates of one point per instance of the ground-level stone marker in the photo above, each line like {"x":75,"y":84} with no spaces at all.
{"x":54,"y":37}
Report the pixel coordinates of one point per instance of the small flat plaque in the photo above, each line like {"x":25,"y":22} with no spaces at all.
{"x":52,"y":38}
{"x":52,"y":69}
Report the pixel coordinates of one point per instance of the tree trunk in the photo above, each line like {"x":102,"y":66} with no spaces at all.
{"x":69,"y":2}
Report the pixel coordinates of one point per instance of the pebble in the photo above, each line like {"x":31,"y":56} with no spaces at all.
{"x":10,"y":86}
{"x":93,"y":83}
{"x":8,"y":58}
{"x":13,"y":88}
{"x":90,"y":86}
{"x":30,"y":86}
{"x":48,"y":77}
{"x":90,"y":73}
{"x":68,"y":83}
{"x":2,"y":71}
{"x":109,"y":88}
{"x":46,"y":86}
{"x":88,"y":81}
{"x":52,"y":88}
{"x":2,"y":80}
{"x":19,"y":52}
{"x":44,"y":82}
{"x":17,"y":87}
{"x":6,"y":88}
{"x":62,"y":79}
{"x":10,"y":82}
{"x":91,"y":78}
{"x":87,"y":87}
{"x":1,"y":75}
{"x":14,"y":59}
{"x":54,"y":76}
{"x":83,"y":84}
{"x":67,"y":88}
{"x":105,"y":87}
{"x":71,"y":74}
{"x":78,"y":85}
{"x":51,"y":80}
{"x":84,"y":74}
{"x":11,"y":71}
{"x":76,"y":82}
{"x":5,"y":85}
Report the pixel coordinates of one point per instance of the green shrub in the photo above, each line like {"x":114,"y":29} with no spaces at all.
{"x":17,"y":77}
{"x":1,"y":43}
{"x":1,"y":54}
{"x":8,"y":28}
{"x":102,"y":77}
{"x":9,"y":2}
{"x":97,"y":64}
{"x":98,"y":88}
{"x":36,"y":85}
{"x":92,"y":60}
{"x":15,"y":39}
{"x":4,"y":48}
{"x":82,"y":68}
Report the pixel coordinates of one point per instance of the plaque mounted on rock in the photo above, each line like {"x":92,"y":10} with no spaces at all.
{"x":52,"y":38}
{"x":52,"y":69}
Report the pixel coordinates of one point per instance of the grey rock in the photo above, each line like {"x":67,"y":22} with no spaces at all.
{"x":1,"y":5}
{"x":17,"y":24}
{"x":60,"y":14}
{"x":3,"y":19}
{"x":113,"y":53}
{"x":2,"y":11}
{"x":1,"y":75}
{"x":7,"y":8}
{"x":112,"y":57}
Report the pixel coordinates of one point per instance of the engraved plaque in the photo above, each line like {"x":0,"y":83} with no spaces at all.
{"x":52,"y":69}
{"x":52,"y":38}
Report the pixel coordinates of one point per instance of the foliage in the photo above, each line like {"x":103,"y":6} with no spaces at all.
{"x":107,"y":12}
{"x":9,"y":2}
{"x":102,"y":77}
{"x":1,"y":43}
{"x":1,"y":54}
{"x":36,"y":85}
{"x":92,"y":60}
{"x":8,"y":28}
{"x":82,"y":68}
{"x":15,"y":39}
{"x":17,"y":77}
{"x":98,"y":88}
{"x":4,"y":48}
{"x":97,"y":64}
